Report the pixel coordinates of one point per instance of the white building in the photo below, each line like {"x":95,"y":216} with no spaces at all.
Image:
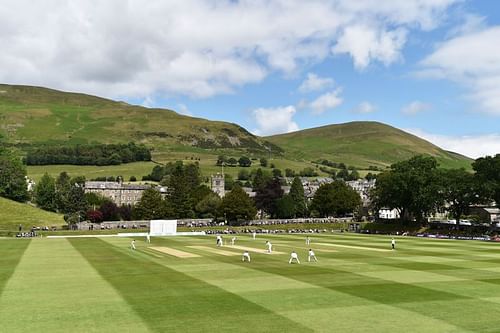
{"x":388,"y":214}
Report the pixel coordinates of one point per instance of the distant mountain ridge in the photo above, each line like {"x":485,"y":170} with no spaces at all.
{"x":33,"y":116}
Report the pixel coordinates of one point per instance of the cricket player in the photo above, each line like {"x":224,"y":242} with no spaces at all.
{"x":254,"y":234}
{"x":393,"y":243}
{"x":311,"y":256}
{"x":232,"y":240}
{"x":148,"y":238}
{"x":294,"y":256}
{"x":269,"y":247}
{"x":308,"y":240}
{"x":132,"y":244}
{"x":246,"y":256}
{"x":219,"y":240}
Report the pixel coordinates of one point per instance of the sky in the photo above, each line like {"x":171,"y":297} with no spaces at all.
{"x":430,"y":67}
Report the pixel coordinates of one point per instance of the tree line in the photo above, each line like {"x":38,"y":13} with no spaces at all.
{"x":417,"y":187}
{"x":88,"y":154}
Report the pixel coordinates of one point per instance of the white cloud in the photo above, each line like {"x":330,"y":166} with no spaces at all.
{"x":327,"y":101}
{"x":364,"y":107}
{"x":415,"y":107}
{"x":314,"y":82}
{"x":472,"y":60}
{"x":473,"y":146}
{"x":366,"y":44}
{"x":275,"y":120}
{"x":195,"y":47}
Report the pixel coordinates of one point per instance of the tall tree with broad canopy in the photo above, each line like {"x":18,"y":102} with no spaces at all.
{"x":488,"y":173}
{"x":460,"y":189}
{"x":335,"y":199}
{"x":412,"y":187}
{"x":237,"y":206}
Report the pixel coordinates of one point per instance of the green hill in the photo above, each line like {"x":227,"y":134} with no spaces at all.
{"x":361,"y":144}
{"x":13,"y":213}
{"x":34,"y":116}
{"x":31,"y":116}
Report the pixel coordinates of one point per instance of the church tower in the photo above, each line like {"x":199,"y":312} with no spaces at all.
{"x":218,"y":184}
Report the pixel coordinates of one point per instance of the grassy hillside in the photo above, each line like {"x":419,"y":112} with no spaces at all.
{"x":14,"y":213}
{"x":31,"y":116}
{"x":34,"y":116}
{"x":361,"y":144}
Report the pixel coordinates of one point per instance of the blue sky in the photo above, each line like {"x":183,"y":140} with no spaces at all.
{"x":431,"y":67}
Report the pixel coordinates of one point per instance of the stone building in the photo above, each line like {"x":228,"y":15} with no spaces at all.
{"x":119,"y":193}
{"x":217,"y":184}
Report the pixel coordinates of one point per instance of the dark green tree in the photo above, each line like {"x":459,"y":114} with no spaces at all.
{"x":232,"y":162}
{"x":263,"y":162}
{"x":13,"y":178}
{"x":285,"y":207}
{"x":488,"y":174}
{"x":267,"y":196}
{"x":276,"y":173}
{"x":460,"y":189}
{"x":412,"y":187}
{"x":244,"y":161}
{"x":335,"y":199}
{"x":208,"y":206}
{"x":179,"y":190}
{"x":63,"y":187}
{"x":298,"y":198}
{"x":150,"y":206}
{"x":237,"y":206}
{"x":45,"y":193}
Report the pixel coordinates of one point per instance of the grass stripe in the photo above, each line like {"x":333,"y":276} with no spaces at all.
{"x":168,"y":300}
{"x":11,"y":251}
{"x":55,"y":290}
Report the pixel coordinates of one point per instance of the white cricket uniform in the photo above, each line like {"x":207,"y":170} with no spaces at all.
{"x":269,"y":247}
{"x":132,"y":245}
{"x":254,"y":234}
{"x":393,"y":244}
{"x":246,"y":256}
{"x":148,"y":238}
{"x":232,"y":240}
{"x":308,"y":241}
{"x":294,"y":256}
{"x":311,"y":256}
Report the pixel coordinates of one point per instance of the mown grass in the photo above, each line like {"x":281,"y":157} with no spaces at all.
{"x":358,"y":285}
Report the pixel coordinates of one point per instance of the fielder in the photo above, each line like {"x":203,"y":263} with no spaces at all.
{"x":219,"y":240}
{"x":269,"y":247}
{"x":254,"y":234}
{"x":132,"y":244}
{"x":232,"y":240}
{"x":311,"y":256}
{"x":246,"y":256}
{"x":308,"y":240}
{"x":148,"y":238}
{"x":294,"y":256}
{"x":393,"y":243}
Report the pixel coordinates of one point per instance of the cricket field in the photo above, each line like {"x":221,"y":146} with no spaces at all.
{"x":187,"y":284}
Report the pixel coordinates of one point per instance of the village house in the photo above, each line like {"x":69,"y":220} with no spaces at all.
{"x":118,"y":192}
